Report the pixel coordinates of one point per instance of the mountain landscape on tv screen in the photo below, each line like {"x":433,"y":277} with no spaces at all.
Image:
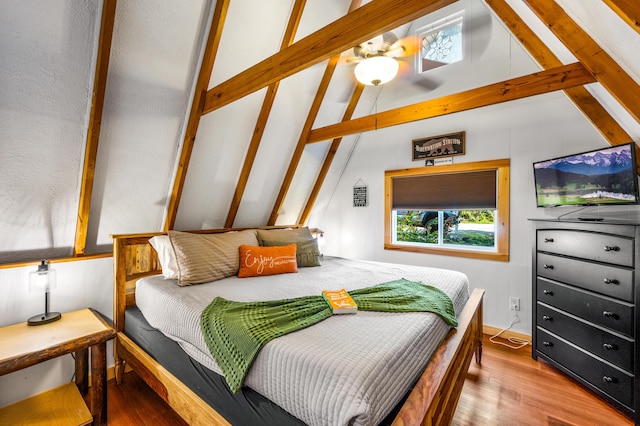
{"x":602,"y":162}
{"x":607,"y":176}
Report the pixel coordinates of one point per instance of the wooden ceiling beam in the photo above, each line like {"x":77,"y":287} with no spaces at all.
{"x":95,"y":120}
{"x":302,"y":140}
{"x":580,"y":96}
{"x":333,"y":149}
{"x":558,"y":78}
{"x":364,"y":23}
{"x":607,"y":71}
{"x":206,"y":67}
{"x":261,"y":124}
{"x":628,"y":10}
{"x":306,"y":129}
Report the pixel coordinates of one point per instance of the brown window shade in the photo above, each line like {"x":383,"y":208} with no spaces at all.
{"x":445,"y":191}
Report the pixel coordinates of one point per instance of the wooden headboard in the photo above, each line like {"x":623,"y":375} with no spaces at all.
{"x":134,"y":258}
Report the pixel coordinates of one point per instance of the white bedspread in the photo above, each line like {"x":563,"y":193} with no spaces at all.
{"x":347,"y":369}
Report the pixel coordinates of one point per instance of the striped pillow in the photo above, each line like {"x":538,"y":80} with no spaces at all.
{"x":208,"y":257}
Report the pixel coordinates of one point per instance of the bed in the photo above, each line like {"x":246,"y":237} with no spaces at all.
{"x":428,"y":395}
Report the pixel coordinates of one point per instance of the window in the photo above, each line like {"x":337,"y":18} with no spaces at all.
{"x":465,"y":228}
{"x":457,"y":210}
{"x":441,"y":43}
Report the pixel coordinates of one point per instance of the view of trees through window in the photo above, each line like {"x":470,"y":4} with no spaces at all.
{"x":446,"y":227}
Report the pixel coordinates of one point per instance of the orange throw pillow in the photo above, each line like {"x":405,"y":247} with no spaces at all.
{"x":259,"y":261}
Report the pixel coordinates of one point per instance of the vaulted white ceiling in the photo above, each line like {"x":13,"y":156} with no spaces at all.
{"x":48,"y":55}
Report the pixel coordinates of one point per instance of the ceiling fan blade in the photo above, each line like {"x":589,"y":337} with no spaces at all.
{"x":478,"y":30}
{"x":477,"y":23}
{"x":349,"y":60}
{"x":389,"y":38}
{"x":407,"y":74}
{"x":405,"y":69}
{"x":426,"y":83}
{"x":404,"y":47}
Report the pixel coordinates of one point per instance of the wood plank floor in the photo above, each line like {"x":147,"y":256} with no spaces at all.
{"x":133,"y":403}
{"x":509,"y":388}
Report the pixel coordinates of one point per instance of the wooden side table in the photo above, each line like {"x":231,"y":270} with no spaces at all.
{"x":22,"y":346}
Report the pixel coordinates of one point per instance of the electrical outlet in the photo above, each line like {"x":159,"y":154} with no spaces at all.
{"x":514,"y":303}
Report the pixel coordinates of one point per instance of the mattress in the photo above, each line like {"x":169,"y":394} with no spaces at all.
{"x":246,"y":407}
{"x":348,"y":369}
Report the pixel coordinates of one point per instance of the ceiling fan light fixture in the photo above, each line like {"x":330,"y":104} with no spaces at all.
{"x":376,"y":70}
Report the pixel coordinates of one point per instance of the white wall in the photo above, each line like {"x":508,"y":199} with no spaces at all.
{"x":523,"y":131}
{"x":46,"y":63}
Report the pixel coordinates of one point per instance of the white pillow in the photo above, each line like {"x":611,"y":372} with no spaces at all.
{"x":166,"y":256}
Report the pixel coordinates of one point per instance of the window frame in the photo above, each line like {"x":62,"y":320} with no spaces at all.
{"x":456,"y":18}
{"x":502,"y":168}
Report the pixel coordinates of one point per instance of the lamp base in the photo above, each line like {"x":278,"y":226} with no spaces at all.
{"x":44,"y":318}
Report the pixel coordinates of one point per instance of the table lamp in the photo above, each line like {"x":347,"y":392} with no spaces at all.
{"x":318,"y":234}
{"x":43,"y":280}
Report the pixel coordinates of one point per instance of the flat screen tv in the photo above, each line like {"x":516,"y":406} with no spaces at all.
{"x":600,"y":177}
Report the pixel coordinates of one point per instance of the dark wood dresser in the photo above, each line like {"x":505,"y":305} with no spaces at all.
{"x":585,"y":290}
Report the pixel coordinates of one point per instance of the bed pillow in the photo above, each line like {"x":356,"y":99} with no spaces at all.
{"x":256,"y":261}
{"x":166,"y":256}
{"x":289,"y":235}
{"x":208,"y":257}
{"x":307,"y":252}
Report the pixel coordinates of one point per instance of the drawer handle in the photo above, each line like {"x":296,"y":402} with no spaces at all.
{"x":547,"y":318}
{"x":547,"y":344}
{"x":548,"y":292}
{"x":545,"y":266}
{"x":548,"y":240}
{"x":611,"y":248}
{"x":609,"y":346}
{"x":608,"y":379}
{"x":608,"y":314}
{"x":611,"y":281}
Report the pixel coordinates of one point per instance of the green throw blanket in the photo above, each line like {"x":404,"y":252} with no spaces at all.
{"x":236,"y":331}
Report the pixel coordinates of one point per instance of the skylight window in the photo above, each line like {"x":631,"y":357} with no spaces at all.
{"x":441,"y":43}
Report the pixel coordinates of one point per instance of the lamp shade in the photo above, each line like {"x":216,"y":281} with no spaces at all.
{"x":376,"y":70}
{"x":43,"y":279}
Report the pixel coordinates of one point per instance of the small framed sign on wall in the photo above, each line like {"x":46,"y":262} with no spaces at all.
{"x":438,"y":146}
{"x":360,"y":198}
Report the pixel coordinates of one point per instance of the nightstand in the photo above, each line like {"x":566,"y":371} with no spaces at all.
{"x":23,"y":346}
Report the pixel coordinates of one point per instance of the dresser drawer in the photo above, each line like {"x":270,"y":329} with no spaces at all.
{"x":606,"y":248}
{"x":608,"y":379}
{"x":608,"y":313}
{"x":608,"y":280}
{"x":607,"y":346}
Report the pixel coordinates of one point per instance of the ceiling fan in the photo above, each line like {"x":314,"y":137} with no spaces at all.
{"x":378,"y":59}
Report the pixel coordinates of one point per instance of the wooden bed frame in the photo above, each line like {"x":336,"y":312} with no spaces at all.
{"x":432,"y":401}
